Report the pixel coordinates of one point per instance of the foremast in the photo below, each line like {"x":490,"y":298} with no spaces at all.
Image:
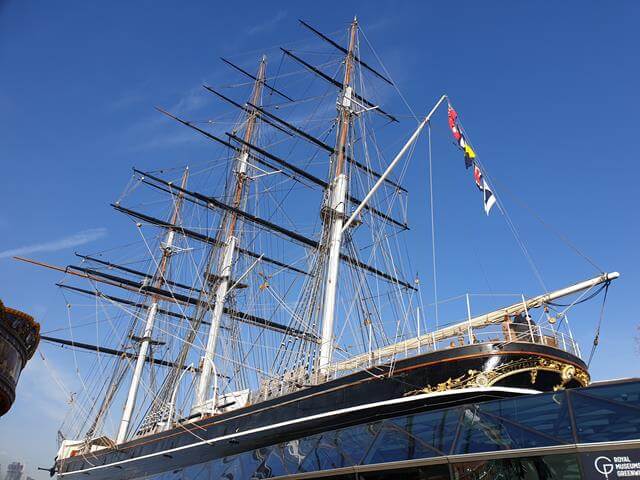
{"x":229,"y":227}
{"x":146,"y":340}
{"x":335,"y":214}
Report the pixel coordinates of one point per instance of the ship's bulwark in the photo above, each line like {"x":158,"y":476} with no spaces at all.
{"x":276,"y":420}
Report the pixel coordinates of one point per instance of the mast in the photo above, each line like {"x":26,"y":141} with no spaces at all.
{"x":159,"y":280}
{"x":228,"y":250}
{"x":335,"y":217}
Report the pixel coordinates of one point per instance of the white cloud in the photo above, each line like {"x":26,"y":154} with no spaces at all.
{"x":268,"y":24}
{"x":179,"y":137}
{"x":29,"y":429}
{"x":192,"y":101}
{"x":125,"y":101}
{"x":74,"y":240}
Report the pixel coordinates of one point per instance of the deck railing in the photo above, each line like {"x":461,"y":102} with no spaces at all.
{"x":506,"y":333}
{"x":503,"y":333}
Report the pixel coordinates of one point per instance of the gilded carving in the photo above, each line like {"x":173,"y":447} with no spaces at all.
{"x":533,"y":365}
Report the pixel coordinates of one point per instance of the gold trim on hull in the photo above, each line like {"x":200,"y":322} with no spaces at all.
{"x":475,"y":378}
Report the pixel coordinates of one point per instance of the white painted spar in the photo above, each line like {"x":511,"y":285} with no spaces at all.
{"x":395,"y":401}
{"x":393,"y":163}
{"x":462,"y":328}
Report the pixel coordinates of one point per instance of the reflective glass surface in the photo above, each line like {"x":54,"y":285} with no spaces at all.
{"x":296,"y":451}
{"x":197,"y":472}
{"x":395,"y":443}
{"x":600,"y":414}
{"x":481,"y":432}
{"x":550,"y":467}
{"x":432,"y":472}
{"x":547,"y":414}
{"x":602,"y":418}
{"x":436,"y":429}
{"x":229,"y":468}
{"x":340,"y":448}
{"x":273,"y":465}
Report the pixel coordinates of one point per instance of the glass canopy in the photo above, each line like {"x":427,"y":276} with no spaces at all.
{"x":603,"y":413}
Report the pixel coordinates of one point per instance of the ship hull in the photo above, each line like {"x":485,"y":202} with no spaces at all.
{"x":418,"y":383}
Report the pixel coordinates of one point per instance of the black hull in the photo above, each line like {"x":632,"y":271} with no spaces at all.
{"x":362,"y":396}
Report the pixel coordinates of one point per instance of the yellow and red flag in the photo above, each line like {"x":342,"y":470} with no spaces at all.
{"x":488,"y":198}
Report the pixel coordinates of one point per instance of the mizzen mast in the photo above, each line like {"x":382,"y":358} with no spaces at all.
{"x":335,"y":213}
{"x":158,"y":281}
{"x":229,"y":226}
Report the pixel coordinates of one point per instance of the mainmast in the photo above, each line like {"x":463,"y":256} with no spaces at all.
{"x":337,"y":199}
{"x":158,"y":282}
{"x":229,"y":225}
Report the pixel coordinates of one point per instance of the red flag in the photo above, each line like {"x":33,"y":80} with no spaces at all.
{"x":453,"y":116}
{"x":488,"y":199}
{"x":469,"y":154}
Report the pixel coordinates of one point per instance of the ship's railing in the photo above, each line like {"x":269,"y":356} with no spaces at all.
{"x":290,"y":382}
{"x":536,"y":334}
{"x":498,"y":333}
{"x":505,"y":333}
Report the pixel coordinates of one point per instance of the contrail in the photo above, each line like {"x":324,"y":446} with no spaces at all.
{"x":74,"y":240}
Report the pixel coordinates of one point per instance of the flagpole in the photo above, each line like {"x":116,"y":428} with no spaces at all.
{"x":393,"y":163}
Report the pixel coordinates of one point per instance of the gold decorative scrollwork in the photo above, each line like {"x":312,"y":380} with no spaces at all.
{"x":475,"y":378}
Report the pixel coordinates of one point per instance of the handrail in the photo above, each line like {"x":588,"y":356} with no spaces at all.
{"x":491,"y":318}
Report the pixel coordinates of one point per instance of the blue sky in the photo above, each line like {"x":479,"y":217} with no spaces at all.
{"x":548,"y":92}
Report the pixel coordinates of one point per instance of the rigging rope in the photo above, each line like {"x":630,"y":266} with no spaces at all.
{"x":549,"y":227}
{"x":596,"y":338}
{"x":433,"y":230}
{"x":509,"y":222}
{"x":589,"y":297}
{"x":386,"y":72}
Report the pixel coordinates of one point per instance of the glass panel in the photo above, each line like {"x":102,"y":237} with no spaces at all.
{"x":436,"y":429}
{"x":394,"y":444}
{"x":295,"y":452}
{"x":172,"y":475}
{"x":432,"y":472}
{"x":341,"y":448}
{"x":550,"y":467}
{"x":273,"y":465}
{"x":254,"y":464}
{"x":480,"y":432}
{"x":547,"y":414}
{"x":606,"y":419}
{"x":197,"y":472}
{"x":227,"y":467}
{"x":628,"y":392}
{"x":251,"y":461}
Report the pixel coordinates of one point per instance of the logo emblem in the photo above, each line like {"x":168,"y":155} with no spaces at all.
{"x":604,"y":466}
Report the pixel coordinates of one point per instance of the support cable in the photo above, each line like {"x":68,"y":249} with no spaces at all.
{"x":386,"y":72}
{"x":433,"y":229}
{"x":507,"y":217}
{"x":563,"y":238}
{"x":596,"y":338}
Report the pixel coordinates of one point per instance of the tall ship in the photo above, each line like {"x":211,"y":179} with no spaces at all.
{"x":270,"y":295}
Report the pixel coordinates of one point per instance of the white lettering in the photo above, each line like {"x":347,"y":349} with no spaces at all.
{"x":628,"y":473}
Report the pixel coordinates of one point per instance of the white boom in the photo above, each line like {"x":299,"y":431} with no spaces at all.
{"x":461,"y":328}
{"x":393,"y":163}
